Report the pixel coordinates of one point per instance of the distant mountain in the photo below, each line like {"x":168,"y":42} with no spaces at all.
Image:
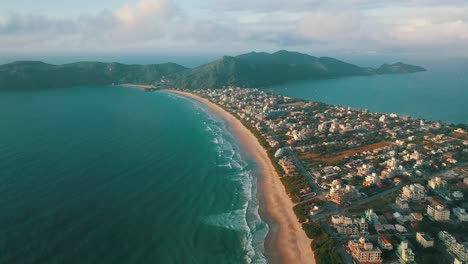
{"x":399,"y":67}
{"x":263,"y":69}
{"x":35,"y":74}
{"x":254,"y":69}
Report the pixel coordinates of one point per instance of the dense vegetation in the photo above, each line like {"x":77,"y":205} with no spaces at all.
{"x":323,"y":245}
{"x":264,"y":69}
{"x":247,"y":70}
{"x":33,"y":74}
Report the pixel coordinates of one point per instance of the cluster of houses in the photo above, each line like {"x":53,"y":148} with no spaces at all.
{"x":349,"y":153}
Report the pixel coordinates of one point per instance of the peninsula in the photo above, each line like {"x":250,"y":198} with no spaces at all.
{"x":255,"y":69}
{"x":348,"y":174}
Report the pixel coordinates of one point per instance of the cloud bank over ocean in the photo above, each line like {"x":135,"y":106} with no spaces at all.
{"x":355,"y":26}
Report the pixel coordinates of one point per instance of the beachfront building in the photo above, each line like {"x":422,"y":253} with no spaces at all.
{"x":405,"y":253}
{"x":460,"y":214}
{"x":424,"y":239}
{"x":458,"y":249}
{"x":287,"y":165}
{"x":364,"y":251}
{"x":438,"y":212}
{"x":349,"y":226}
{"x":413,"y":192}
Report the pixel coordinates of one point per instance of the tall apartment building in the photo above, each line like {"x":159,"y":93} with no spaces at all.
{"x":438,"y":212}
{"x":364,"y":252}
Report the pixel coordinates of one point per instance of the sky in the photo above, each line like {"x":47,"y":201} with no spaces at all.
{"x":319,"y":27}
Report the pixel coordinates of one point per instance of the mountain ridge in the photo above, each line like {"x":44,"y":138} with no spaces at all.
{"x":253,"y":69}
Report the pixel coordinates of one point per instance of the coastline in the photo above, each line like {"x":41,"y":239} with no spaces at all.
{"x":286,"y":242}
{"x":139,"y":86}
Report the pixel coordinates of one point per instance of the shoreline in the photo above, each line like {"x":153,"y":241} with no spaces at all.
{"x":286,"y":241}
{"x":139,"y":86}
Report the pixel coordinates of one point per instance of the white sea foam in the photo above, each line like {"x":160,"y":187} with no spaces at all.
{"x":244,"y":217}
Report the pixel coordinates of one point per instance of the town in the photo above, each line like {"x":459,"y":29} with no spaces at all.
{"x":368,"y":187}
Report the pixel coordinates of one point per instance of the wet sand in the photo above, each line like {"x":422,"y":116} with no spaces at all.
{"x":289,"y":243}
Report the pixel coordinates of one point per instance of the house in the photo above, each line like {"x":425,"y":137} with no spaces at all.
{"x":384,"y":243}
{"x":416,"y":216}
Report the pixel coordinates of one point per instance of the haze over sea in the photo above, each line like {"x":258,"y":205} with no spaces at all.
{"x":116,"y":175}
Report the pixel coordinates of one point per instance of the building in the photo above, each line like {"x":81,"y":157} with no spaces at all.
{"x":402,"y":203}
{"x":424,"y":239}
{"x":384,"y":243}
{"x":460,"y":214}
{"x":348,"y":226}
{"x":459,"y":249}
{"x":438,"y":185}
{"x":341,"y":220}
{"x":438,"y":212}
{"x":339,"y":195}
{"x":371,"y":216}
{"x":350,"y":230}
{"x":414,"y":192}
{"x":417,"y":217}
{"x":364,"y":251}
{"x":405,"y":253}
{"x":457,"y":195}
{"x":287,"y":165}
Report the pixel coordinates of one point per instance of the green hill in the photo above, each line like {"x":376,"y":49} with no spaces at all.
{"x":33,"y":74}
{"x":254,"y":69}
{"x":263,"y":69}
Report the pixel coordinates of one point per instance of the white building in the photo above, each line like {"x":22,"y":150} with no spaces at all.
{"x":372,"y":179}
{"x":405,"y":253}
{"x":424,"y":239}
{"x":413,"y":192}
{"x":459,"y":249}
{"x":460,"y":214}
{"x":438,"y":212}
{"x":436,"y":183}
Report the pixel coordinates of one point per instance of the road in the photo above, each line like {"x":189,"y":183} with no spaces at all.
{"x":305,"y":173}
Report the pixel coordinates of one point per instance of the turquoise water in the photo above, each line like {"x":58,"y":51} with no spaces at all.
{"x":115,"y":175}
{"x":441,"y":93}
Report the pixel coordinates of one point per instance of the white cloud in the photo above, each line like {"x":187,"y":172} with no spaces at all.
{"x":227,"y":25}
{"x":144,"y":10}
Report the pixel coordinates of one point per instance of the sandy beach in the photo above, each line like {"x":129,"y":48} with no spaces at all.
{"x":290,"y":243}
{"x":139,"y":86}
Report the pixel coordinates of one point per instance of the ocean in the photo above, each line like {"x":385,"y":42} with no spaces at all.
{"x":117,"y":175}
{"x":439,"y":94}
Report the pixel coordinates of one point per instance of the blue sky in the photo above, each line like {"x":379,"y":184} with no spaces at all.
{"x":233,"y":26}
